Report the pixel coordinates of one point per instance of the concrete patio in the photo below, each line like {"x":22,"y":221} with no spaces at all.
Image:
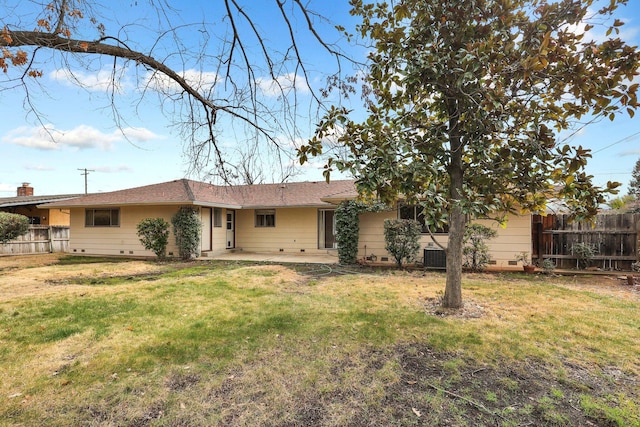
{"x":302,"y":258}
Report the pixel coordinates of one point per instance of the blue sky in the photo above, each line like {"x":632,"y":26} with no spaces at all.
{"x":147,"y":149}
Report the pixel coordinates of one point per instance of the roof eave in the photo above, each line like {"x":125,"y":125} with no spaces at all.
{"x":157,"y":203}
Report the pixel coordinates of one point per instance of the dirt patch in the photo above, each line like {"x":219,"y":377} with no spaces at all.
{"x":431,"y":389}
{"x":24,"y":276}
{"x":517,"y":393}
{"x":614,"y":284}
{"x":470,"y":310}
{"x":10,"y":262}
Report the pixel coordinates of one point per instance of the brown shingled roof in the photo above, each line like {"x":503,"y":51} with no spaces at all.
{"x":6,"y":202}
{"x":184,"y":192}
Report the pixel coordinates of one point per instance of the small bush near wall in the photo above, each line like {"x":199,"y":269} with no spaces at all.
{"x":402,"y":239}
{"x":475,"y":251}
{"x":186,"y":228}
{"x":154,"y":235}
{"x":12,"y":226}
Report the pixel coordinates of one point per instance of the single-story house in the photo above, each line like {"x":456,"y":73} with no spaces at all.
{"x":290,"y":217}
{"x":27,"y":204}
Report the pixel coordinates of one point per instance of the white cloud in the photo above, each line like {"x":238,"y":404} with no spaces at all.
{"x":104,"y":80}
{"x":7,"y":188}
{"x":282,"y":84}
{"x":117,"y":169}
{"x":630,"y":153}
{"x":39,"y":168}
{"x":202,"y":81}
{"x":330,"y":140}
{"x":80,"y":137}
{"x":287,"y":143}
{"x":139,"y":134}
{"x":598,"y":32}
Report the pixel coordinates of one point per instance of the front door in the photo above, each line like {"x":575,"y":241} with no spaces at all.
{"x":231,"y":229}
{"x":327,"y":229}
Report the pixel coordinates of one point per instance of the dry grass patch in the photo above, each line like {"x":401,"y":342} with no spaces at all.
{"x":40,"y":275}
{"x":204,"y":344}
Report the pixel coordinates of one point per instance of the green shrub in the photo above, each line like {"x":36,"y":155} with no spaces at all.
{"x":475,"y":250}
{"x":186,"y":228}
{"x":154,"y":235}
{"x":401,"y":239}
{"x":548,"y":266}
{"x":348,"y":230}
{"x":584,"y":252}
{"x":12,"y":226}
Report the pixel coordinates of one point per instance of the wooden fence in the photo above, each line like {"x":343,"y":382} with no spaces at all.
{"x":613,"y":238}
{"x":39,"y":239}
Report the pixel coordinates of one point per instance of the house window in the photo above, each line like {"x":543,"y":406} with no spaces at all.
{"x":265,"y":217}
{"x":415,"y":212}
{"x":217,"y":217}
{"x":102,"y":218}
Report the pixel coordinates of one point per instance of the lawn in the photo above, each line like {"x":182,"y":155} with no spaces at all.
{"x":136,"y":343}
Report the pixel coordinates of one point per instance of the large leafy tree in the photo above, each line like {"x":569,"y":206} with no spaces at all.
{"x":227,"y":71}
{"x":634,"y":184}
{"x":467,"y":99}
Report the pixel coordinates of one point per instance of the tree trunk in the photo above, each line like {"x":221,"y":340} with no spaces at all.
{"x":457,"y":220}
{"x":453,"y":288}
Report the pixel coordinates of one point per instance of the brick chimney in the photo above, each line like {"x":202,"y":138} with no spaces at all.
{"x":25,"y":190}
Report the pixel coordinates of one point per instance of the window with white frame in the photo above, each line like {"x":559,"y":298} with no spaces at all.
{"x":415,"y":212}
{"x":265,"y":217}
{"x":217,"y":217}
{"x":102,"y":217}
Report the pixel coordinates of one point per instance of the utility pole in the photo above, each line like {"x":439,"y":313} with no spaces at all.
{"x":85,"y":173}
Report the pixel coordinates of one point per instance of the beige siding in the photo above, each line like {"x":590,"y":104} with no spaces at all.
{"x":515,"y":238}
{"x":122,"y":240}
{"x":219,"y":235}
{"x":206,"y":216}
{"x":371,"y":241}
{"x":296,"y":231}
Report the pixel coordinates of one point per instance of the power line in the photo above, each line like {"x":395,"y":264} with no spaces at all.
{"x":617,"y":142}
{"x":85,"y":173}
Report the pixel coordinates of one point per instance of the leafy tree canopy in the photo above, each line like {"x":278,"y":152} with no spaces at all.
{"x":634,"y":184}
{"x":466,"y":101}
{"x":621,"y":202}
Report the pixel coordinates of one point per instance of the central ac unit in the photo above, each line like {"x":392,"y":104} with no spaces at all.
{"x":435,"y":259}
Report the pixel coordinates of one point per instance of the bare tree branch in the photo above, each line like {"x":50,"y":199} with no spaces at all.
{"x":266,"y":107}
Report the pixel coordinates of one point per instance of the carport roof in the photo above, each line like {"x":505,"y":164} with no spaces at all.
{"x":16,"y":201}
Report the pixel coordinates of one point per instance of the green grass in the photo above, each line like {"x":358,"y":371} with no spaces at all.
{"x":220,"y":344}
